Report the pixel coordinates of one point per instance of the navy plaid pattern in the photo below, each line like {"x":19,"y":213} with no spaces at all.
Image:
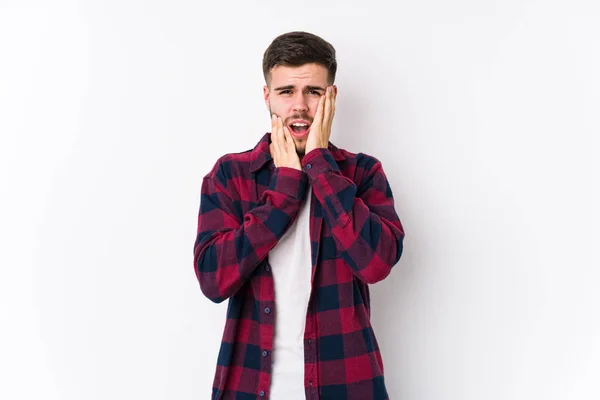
{"x":246,"y":206}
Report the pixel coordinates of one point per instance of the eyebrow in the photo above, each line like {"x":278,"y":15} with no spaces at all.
{"x":287,"y":87}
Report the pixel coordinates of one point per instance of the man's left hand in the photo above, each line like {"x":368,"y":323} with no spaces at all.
{"x":320,"y":129}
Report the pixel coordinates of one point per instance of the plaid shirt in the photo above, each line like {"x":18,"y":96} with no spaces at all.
{"x":246,"y":205}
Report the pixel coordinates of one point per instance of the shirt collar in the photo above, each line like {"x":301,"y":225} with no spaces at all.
{"x":261,"y":153}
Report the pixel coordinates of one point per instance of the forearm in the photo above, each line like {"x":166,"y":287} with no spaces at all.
{"x":226,"y":250}
{"x":365,"y":226}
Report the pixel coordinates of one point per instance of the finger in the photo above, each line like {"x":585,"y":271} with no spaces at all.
{"x":290,"y":141}
{"x":273,"y":122}
{"x":280,"y":134}
{"x":332,"y":107}
{"x":327,"y":112}
{"x":318,"y":119}
{"x":274,"y":147}
{"x":273,"y":127}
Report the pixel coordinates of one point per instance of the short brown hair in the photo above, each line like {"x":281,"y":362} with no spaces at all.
{"x":294,"y":49}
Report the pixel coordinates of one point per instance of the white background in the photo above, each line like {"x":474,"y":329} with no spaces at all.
{"x":485,"y":115}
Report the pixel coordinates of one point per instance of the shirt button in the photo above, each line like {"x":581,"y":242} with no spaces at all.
{"x":310,"y":383}
{"x":309,"y":341}
{"x":265,"y":353}
{"x":267,"y":268}
{"x":262,"y":393}
{"x":267,"y":310}
{"x":308,"y":166}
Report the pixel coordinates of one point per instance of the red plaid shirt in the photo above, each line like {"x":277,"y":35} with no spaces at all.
{"x":246,"y":205}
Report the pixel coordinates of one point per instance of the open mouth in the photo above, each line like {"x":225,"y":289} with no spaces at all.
{"x":299,"y":129}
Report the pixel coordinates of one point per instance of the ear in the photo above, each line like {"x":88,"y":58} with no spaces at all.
{"x":335,"y":91}
{"x":266,"y":94}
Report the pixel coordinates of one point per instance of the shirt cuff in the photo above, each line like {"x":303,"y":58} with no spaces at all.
{"x":318,"y":161}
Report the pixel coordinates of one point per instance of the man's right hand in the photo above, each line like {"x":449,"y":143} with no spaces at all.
{"x":282,"y":147}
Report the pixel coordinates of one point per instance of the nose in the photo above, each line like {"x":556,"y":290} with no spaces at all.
{"x":300,"y":103}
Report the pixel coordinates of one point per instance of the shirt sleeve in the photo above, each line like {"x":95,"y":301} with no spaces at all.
{"x":228,"y":249}
{"x":363,"y":220}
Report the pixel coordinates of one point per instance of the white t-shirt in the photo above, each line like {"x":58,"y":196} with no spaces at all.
{"x":290,"y":262}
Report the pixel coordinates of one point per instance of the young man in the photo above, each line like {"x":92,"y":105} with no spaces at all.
{"x":292,"y":232}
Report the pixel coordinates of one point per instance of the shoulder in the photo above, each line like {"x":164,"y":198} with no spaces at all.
{"x":230,"y":166}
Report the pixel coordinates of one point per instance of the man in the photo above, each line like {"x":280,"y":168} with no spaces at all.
{"x":292,"y":232}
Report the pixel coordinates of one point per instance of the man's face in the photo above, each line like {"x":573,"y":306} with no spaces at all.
{"x":294,"y":94}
